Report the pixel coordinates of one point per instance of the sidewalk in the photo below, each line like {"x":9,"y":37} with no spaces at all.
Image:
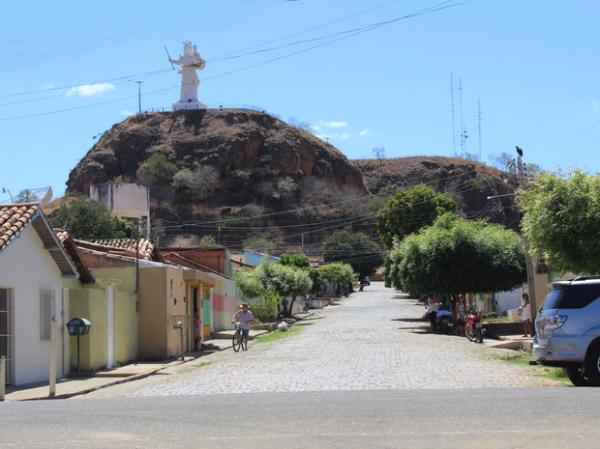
{"x":516,"y":342}
{"x":69,"y":387}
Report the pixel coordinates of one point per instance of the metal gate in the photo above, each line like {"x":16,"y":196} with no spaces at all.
{"x":7,"y":332}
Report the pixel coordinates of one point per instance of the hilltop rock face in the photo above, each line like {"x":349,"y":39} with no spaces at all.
{"x":255,"y":157}
{"x":469,"y":182}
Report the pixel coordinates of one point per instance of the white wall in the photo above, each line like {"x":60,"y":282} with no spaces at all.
{"x":508,"y":300}
{"x":26,"y":268}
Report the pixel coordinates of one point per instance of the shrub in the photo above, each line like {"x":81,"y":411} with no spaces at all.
{"x":157,"y":171}
{"x":266,"y":309}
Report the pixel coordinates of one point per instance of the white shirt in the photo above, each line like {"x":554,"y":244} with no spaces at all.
{"x":243,"y":317}
{"x":525,"y":311}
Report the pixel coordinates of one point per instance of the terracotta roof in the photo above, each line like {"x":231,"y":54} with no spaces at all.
{"x":175,"y":258}
{"x":121,"y":246}
{"x":13,"y":219}
{"x":85,"y":275}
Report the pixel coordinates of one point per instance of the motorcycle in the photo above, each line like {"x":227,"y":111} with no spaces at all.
{"x":474,"y":327}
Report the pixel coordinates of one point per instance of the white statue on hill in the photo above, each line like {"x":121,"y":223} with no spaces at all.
{"x":188,"y":63}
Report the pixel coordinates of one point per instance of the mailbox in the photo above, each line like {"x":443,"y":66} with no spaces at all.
{"x":78,"y":327}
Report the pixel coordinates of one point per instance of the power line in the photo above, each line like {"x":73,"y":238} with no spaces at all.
{"x":345,"y":35}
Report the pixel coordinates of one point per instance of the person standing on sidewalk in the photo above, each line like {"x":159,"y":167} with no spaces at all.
{"x":432,"y":309}
{"x":526,"y":315}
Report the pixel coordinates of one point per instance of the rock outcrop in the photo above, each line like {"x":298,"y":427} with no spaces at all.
{"x":468,"y":181}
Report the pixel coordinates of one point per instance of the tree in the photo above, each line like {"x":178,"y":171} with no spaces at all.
{"x":26,"y":196}
{"x":260,"y":243}
{"x":355,"y":249}
{"x":285,"y":281}
{"x":199,"y":183}
{"x":458,"y":256}
{"x":561,"y":220}
{"x":207,"y":240}
{"x":408,"y":210}
{"x":157,"y":171}
{"x":88,"y":219}
{"x":340,"y":275}
{"x":294,"y":259}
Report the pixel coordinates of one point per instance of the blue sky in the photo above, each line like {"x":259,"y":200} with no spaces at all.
{"x":533,"y":64}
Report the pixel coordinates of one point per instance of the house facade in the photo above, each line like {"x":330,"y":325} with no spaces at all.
{"x":33,"y":302}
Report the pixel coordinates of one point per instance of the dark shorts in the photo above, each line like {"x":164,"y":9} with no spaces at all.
{"x":245,"y":333}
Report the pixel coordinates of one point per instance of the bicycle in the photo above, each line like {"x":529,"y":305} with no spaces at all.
{"x":240,"y":339}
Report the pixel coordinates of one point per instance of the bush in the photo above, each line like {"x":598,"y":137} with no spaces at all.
{"x":157,"y":171}
{"x":198,"y":184}
{"x":266,"y":309}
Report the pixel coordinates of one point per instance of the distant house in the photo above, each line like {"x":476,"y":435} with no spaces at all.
{"x":255,"y":258}
{"x":33,"y":266}
{"x":105,"y":295}
{"x":212,"y":281}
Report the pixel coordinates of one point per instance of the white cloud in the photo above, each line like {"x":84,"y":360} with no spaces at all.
{"x":364,"y":132}
{"x":596,"y":105}
{"x":126,"y":112}
{"x":89,"y":90}
{"x":334,"y":124}
{"x":48,"y":86}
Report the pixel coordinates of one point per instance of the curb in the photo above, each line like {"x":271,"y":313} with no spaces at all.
{"x":110,"y":384}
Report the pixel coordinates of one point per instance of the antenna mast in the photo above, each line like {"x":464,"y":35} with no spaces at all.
{"x":453,"y":117}
{"x":463,"y":132}
{"x":479,"y":126}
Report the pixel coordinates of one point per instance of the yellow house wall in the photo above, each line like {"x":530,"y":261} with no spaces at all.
{"x":89,"y":301}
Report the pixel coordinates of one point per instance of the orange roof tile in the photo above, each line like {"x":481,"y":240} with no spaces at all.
{"x":120,"y":246}
{"x":13,"y":219}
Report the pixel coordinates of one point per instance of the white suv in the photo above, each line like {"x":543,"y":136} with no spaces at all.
{"x":568,"y":330}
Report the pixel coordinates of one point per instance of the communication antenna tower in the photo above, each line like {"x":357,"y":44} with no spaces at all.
{"x":479,"y":126}
{"x":453,"y":116}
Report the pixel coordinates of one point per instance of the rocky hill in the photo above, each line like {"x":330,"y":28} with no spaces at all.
{"x":254,"y":170}
{"x":468,"y":181}
{"x":236,"y":163}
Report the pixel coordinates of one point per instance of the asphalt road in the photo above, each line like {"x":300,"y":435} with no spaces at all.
{"x":487,"y":418}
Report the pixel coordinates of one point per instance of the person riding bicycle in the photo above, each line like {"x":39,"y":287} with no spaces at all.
{"x":244,"y":317}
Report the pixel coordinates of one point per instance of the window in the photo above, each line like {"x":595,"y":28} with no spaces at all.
{"x":565,"y":296}
{"x":46,"y":313}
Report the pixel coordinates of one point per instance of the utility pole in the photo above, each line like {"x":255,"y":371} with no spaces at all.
{"x":139,"y":83}
{"x":453,"y":116}
{"x":528,"y":258}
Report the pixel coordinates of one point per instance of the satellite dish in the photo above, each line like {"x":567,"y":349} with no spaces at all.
{"x":47,"y":196}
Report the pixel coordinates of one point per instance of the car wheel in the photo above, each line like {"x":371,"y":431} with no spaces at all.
{"x":592,"y":364}
{"x":576,"y":376}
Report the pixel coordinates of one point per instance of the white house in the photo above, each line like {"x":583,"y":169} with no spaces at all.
{"x":32,"y":299}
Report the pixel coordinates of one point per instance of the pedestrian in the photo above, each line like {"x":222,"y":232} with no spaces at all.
{"x":432,"y":309}
{"x":460,"y":314}
{"x":525,"y":309}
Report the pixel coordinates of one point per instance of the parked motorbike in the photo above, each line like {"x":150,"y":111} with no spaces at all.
{"x":474,"y":327}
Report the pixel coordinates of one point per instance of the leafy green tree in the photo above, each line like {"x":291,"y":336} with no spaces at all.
{"x":458,"y":256}
{"x":157,"y":171}
{"x":561,"y":220}
{"x":88,"y":219}
{"x":408,"y":210}
{"x":355,"y":249}
{"x":340,"y":275}
{"x":294,"y":259}
{"x":285,"y":281}
{"x":198,"y":184}
{"x":318,"y":283}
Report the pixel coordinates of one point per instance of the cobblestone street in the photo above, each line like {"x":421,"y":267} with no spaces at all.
{"x":372,"y":341}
